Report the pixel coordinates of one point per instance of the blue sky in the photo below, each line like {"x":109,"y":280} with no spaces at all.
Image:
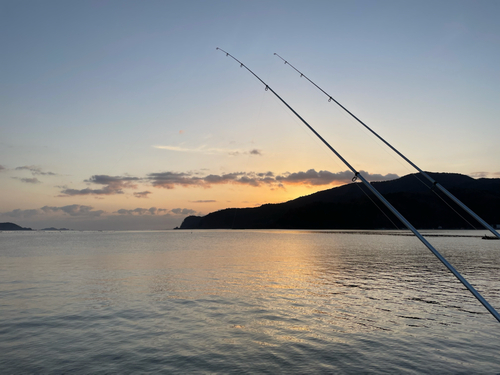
{"x":122,"y":115}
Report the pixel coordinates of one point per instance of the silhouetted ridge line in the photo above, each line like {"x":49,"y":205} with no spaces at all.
{"x":340,"y":207}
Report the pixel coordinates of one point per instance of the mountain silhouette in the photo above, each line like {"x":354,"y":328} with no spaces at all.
{"x":352,"y":206}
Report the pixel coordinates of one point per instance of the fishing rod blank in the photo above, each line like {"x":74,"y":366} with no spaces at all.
{"x":381,"y":198}
{"x":434,"y":182}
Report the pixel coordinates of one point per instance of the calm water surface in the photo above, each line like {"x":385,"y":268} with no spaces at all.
{"x":245,"y":302}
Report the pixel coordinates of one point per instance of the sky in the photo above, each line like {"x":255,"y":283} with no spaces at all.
{"x":122,"y":115}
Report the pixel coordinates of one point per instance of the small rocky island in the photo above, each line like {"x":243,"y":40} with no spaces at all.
{"x":12,"y":226}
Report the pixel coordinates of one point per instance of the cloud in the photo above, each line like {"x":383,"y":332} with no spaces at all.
{"x":87,"y":191}
{"x":201,"y":150}
{"x":478,"y":174}
{"x":142,"y":194}
{"x":104,"y":191}
{"x":143,"y":211}
{"x":485,"y":174}
{"x":33,"y":180}
{"x":35,"y":170}
{"x":115,"y":182}
{"x":209,"y":151}
{"x":88,"y":211}
{"x":169,"y":180}
{"x":311,"y":177}
{"x":204,"y":201}
{"x":147,"y":211}
{"x":378,"y":177}
{"x":113,"y":185}
{"x":2,"y":168}
{"x":72,"y":210}
{"x":139,"y":211}
{"x":87,"y":218}
{"x":183,"y":211}
{"x":21,"y":214}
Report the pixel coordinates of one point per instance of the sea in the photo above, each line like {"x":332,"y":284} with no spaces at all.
{"x":246,"y":301}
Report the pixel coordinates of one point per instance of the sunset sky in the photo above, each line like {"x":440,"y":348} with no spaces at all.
{"x":122,"y":114}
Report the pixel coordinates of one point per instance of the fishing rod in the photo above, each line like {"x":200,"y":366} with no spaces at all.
{"x":357,"y":175}
{"x":433,"y":182}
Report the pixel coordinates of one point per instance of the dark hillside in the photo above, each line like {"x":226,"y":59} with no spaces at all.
{"x":352,"y":207}
{"x":11,"y":226}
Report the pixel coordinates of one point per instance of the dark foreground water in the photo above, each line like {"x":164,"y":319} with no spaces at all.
{"x":245,"y":302}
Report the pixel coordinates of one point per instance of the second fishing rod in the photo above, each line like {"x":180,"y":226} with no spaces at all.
{"x":434,"y":183}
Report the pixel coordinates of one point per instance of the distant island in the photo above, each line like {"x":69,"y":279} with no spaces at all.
{"x":12,"y":226}
{"x":55,"y":229}
{"x":351,"y":206}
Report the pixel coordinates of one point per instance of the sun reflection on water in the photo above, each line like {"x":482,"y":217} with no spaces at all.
{"x":304,"y":300}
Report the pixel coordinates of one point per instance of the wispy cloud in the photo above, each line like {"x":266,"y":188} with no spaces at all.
{"x":71,"y":210}
{"x":2,"y":168}
{"x":113,"y":185}
{"x":478,"y":174}
{"x":169,"y":180}
{"x":35,"y":170}
{"x":210,"y":150}
{"x":202,"y":149}
{"x":33,"y":180}
{"x":204,"y":201}
{"x":155,"y":211}
{"x":21,"y":214}
{"x":183,"y":211}
{"x":311,"y":177}
{"x":142,"y":194}
{"x":485,"y":174}
{"x":75,"y":210}
{"x":143,"y":211}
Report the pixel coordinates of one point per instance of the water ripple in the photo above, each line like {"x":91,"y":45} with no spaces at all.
{"x":246,"y":302}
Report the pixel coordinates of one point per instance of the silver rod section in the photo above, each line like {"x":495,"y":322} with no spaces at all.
{"x":383,"y":200}
{"x":434,"y":182}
